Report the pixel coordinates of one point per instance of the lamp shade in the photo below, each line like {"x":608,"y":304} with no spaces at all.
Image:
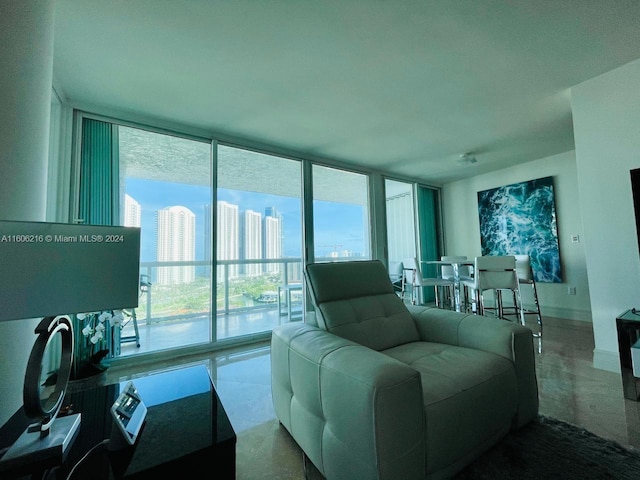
{"x":49,"y":269}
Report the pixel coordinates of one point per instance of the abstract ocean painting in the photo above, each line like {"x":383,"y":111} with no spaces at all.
{"x":520,"y":219}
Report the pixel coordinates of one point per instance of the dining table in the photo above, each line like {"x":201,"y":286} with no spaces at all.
{"x":455,"y":264}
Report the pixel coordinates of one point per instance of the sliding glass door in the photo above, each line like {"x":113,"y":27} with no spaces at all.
{"x":165,"y":188}
{"x":401,"y":228}
{"x":258,"y":242}
{"x":413,"y":227}
{"x":162,"y":184}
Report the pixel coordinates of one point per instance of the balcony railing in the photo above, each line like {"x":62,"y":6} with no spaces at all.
{"x":176,"y":310}
{"x":182,"y":289}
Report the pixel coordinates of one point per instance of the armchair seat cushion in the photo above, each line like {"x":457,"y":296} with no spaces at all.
{"x":469,"y":399}
{"x":448,"y":370}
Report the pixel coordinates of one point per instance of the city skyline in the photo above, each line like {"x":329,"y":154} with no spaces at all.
{"x":337,"y":225}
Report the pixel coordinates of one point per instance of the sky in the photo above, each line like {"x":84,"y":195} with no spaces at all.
{"x":337,"y":226}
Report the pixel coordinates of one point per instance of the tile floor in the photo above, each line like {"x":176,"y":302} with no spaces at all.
{"x":570,"y":389}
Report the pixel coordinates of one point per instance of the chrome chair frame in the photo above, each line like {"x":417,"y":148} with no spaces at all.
{"x":145,"y":285}
{"x":465,"y":273}
{"x":526,"y":277}
{"x":412,"y":275}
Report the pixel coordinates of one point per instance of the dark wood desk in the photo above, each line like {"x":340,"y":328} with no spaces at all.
{"x":628,"y":327}
{"x":187,"y":432}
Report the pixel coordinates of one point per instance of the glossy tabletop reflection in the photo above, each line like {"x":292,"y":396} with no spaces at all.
{"x":186,"y":431}
{"x":186,"y":426}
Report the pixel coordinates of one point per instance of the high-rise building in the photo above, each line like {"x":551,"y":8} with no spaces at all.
{"x":227,"y":238}
{"x":176,"y":242}
{"x":132,"y":212}
{"x":251,"y":241}
{"x":207,"y":233}
{"x":273,"y":237}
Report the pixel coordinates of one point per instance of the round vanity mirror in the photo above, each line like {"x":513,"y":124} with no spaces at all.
{"x":48,"y":370}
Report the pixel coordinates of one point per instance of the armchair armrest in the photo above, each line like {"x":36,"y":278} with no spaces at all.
{"x":502,"y":337}
{"x":356,"y":413}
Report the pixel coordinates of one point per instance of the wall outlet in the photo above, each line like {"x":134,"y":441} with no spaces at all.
{"x":575,"y":238}
{"x":571,"y":290}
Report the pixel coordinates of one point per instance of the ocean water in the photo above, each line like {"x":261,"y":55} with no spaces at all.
{"x":520,"y":219}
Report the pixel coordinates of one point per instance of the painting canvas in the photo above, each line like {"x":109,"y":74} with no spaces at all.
{"x":520,"y":219}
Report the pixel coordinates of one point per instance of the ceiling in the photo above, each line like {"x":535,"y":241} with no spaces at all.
{"x":405,"y":87}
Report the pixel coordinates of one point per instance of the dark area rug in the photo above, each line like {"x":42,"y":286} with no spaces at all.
{"x":551,"y":449}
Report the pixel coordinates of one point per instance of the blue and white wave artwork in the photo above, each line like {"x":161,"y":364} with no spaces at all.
{"x":520,"y":219}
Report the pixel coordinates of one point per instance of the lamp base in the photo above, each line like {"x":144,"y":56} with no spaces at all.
{"x":30,"y":448}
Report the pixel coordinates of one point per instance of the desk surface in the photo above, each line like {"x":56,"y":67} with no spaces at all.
{"x":632,"y":315}
{"x":186,"y":429}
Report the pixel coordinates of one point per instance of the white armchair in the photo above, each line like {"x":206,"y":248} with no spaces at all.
{"x":379,"y":390}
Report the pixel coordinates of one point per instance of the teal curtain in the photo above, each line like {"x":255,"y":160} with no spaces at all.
{"x":428,"y":231}
{"x":98,"y":173}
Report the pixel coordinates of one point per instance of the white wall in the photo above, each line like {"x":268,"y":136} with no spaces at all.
{"x":462,"y":228}
{"x":606,"y":114}
{"x":59,"y":169}
{"x":26,"y":59}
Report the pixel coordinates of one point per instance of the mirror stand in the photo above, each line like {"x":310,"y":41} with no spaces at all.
{"x":31,"y":447}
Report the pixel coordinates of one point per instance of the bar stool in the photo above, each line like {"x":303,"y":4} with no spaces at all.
{"x":464,"y":273}
{"x":494,"y":273}
{"x":526,"y":277}
{"x":395,"y":275}
{"x":413,"y":276}
{"x":144,"y":285}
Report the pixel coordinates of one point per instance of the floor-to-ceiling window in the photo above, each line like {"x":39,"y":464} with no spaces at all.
{"x":413,"y":227}
{"x":162,"y":184}
{"x":401,"y":228}
{"x":341,"y":226}
{"x":224,"y":231}
{"x":258,"y":241}
{"x":165,"y":188}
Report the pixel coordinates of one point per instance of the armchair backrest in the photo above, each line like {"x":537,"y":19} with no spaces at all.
{"x":356,"y":300}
